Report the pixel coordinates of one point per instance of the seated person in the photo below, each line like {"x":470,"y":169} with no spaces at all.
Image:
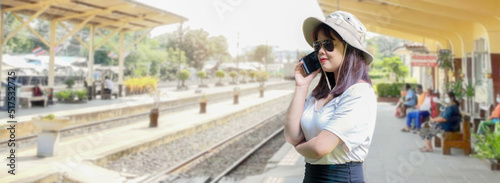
{"x":108,"y":85}
{"x":494,"y":118}
{"x":424,"y":109}
{"x":409,"y":102}
{"x":37,"y":91}
{"x":448,"y":121}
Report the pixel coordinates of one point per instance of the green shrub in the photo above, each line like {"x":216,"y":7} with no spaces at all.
{"x":243,"y":73}
{"x":65,"y":95}
{"x":81,"y":94}
{"x":488,"y":145}
{"x":252,"y":74}
{"x":262,"y":76}
{"x":220,"y":74}
{"x":392,"y":89}
{"x":376,"y":76}
{"x":69,"y":83}
{"x":202,"y":74}
{"x":183,"y":74}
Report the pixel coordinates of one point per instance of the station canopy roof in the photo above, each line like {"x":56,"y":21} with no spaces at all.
{"x":108,"y":13}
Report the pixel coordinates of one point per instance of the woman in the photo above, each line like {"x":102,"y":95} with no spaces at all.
{"x":333,"y":126}
{"x":423,"y":110}
{"x":448,"y":121}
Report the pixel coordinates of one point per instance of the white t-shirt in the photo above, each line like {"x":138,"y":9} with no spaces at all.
{"x":426,"y":105}
{"x":109,"y":84}
{"x":351,"y":116}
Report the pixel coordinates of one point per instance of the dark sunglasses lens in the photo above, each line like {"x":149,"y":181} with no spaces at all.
{"x":316,"y":46}
{"x":328,"y":44}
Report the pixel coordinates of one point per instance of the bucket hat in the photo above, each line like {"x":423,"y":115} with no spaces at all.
{"x":346,"y":24}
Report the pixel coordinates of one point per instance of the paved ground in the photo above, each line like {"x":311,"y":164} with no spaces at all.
{"x":394,"y":156}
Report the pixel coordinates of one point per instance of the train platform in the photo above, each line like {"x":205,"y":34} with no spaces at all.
{"x":167,"y":93}
{"x":393,"y":156}
{"x":78,"y":157}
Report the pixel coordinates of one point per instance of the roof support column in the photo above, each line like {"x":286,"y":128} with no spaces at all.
{"x":52,"y":52}
{"x":121,"y":59}
{"x":90,"y":73}
{"x":1,"y":43}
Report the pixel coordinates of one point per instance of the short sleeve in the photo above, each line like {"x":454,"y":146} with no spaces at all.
{"x":350,"y":120}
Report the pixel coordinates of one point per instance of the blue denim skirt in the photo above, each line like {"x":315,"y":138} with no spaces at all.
{"x":347,"y":172}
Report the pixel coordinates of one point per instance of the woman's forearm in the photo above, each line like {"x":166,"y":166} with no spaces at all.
{"x":306,"y":149}
{"x":293,"y":132}
{"x":439,"y":119}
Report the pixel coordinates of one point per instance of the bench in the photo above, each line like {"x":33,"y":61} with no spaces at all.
{"x":455,"y":139}
{"x":105,"y":95}
{"x":25,"y":101}
{"x":26,"y":97}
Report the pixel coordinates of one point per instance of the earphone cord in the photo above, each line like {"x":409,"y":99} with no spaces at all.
{"x":338,"y":74}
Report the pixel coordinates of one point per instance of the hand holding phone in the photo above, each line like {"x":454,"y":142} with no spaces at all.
{"x":310,"y":63}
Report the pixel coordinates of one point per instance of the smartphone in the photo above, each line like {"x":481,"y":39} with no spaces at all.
{"x":310,"y":63}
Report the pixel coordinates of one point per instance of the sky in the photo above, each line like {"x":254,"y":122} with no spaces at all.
{"x":277,"y":22}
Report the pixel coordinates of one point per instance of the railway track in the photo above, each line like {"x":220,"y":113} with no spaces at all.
{"x":233,"y":156}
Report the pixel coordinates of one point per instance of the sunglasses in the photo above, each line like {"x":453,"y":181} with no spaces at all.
{"x":328,"y":44}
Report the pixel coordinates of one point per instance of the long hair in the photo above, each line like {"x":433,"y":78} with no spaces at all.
{"x":353,"y":68}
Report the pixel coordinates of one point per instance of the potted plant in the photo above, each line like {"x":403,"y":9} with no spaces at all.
{"x":488,"y":147}
{"x":48,"y":138}
{"x":457,"y":88}
{"x":445,"y":62}
{"x":469,"y":92}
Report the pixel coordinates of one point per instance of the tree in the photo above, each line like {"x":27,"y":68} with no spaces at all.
{"x":392,"y":65}
{"x":233,"y":75}
{"x":252,"y":75}
{"x":262,"y":77}
{"x":202,"y":75}
{"x":385,"y":45}
{"x":183,"y":75}
{"x":260,"y":52}
{"x":243,"y":73}
{"x":197,"y":45}
{"x":218,"y":48}
{"x":220,"y":74}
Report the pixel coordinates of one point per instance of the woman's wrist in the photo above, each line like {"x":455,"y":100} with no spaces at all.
{"x":302,"y":87}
